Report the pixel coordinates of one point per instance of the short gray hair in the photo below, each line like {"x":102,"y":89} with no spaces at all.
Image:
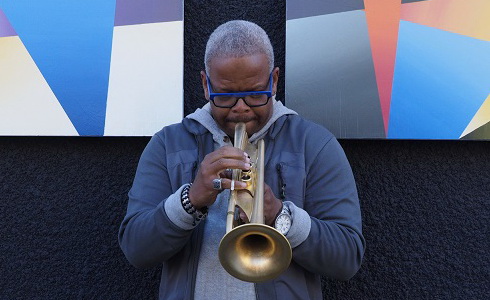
{"x":236,"y":39}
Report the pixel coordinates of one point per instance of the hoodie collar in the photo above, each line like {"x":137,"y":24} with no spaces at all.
{"x":204,"y":117}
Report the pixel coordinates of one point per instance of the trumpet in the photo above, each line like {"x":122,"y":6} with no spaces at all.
{"x":252,"y":251}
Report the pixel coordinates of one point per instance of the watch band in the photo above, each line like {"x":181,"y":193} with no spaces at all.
{"x":285,"y":210}
{"x":283,"y":216}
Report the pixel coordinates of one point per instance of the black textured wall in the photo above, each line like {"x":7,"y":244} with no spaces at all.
{"x":425,"y":204}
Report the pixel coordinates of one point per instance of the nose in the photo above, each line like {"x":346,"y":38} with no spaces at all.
{"x":241,"y":106}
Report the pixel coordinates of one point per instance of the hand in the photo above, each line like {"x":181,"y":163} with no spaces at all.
{"x":213,"y":166}
{"x":272,"y":207}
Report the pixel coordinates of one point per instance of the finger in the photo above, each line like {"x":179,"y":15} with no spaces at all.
{"x":220,"y":165}
{"x":226,"y":173}
{"x":228,"y":152}
{"x":243,"y":216}
{"x":228,"y":184}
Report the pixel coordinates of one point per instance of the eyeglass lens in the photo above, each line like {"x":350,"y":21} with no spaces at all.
{"x":250,"y":100}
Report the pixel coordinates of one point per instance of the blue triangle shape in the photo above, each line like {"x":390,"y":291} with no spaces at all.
{"x":441,"y":80}
{"x":70,"y":42}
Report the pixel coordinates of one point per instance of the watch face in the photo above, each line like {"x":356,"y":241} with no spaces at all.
{"x":283,"y":223}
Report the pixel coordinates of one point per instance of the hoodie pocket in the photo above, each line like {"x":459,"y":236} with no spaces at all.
{"x":291,"y":178}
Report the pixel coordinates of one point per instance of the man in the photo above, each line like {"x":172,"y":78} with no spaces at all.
{"x":177,"y":205}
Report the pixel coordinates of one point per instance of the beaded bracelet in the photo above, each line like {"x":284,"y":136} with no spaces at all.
{"x":199,"y":214}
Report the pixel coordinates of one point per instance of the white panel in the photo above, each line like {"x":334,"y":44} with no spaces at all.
{"x":481,"y":118}
{"x":27,"y":104}
{"x":146,"y":79}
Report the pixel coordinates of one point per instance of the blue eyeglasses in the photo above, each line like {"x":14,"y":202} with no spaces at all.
{"x":252,"y":99}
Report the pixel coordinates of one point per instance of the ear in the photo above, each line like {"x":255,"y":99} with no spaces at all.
{"x":204,"y":82}
{"x":275,"y":80}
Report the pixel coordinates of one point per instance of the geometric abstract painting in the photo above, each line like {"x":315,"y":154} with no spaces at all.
{"x":90,"y":68}
{"x":393,"y":69}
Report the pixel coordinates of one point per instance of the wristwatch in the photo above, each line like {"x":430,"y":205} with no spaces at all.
{"x":283,"y":220}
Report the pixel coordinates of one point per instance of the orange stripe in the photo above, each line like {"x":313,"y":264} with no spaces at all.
{"x":383,"y":18}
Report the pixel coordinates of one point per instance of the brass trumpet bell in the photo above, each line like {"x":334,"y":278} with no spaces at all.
{"x":252,"y":252}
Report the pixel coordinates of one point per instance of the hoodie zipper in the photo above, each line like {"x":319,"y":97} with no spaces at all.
{"x":282,"y":185}
{"x":194,"y":169}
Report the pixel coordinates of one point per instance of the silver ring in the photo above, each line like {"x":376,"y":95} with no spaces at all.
{"x":217,"y":184}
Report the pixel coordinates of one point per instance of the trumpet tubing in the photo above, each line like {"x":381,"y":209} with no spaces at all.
{"x":252,"y":252}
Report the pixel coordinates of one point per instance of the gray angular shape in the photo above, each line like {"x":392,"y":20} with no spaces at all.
{"x":330,"y":75}
{"x":296,"y":9}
